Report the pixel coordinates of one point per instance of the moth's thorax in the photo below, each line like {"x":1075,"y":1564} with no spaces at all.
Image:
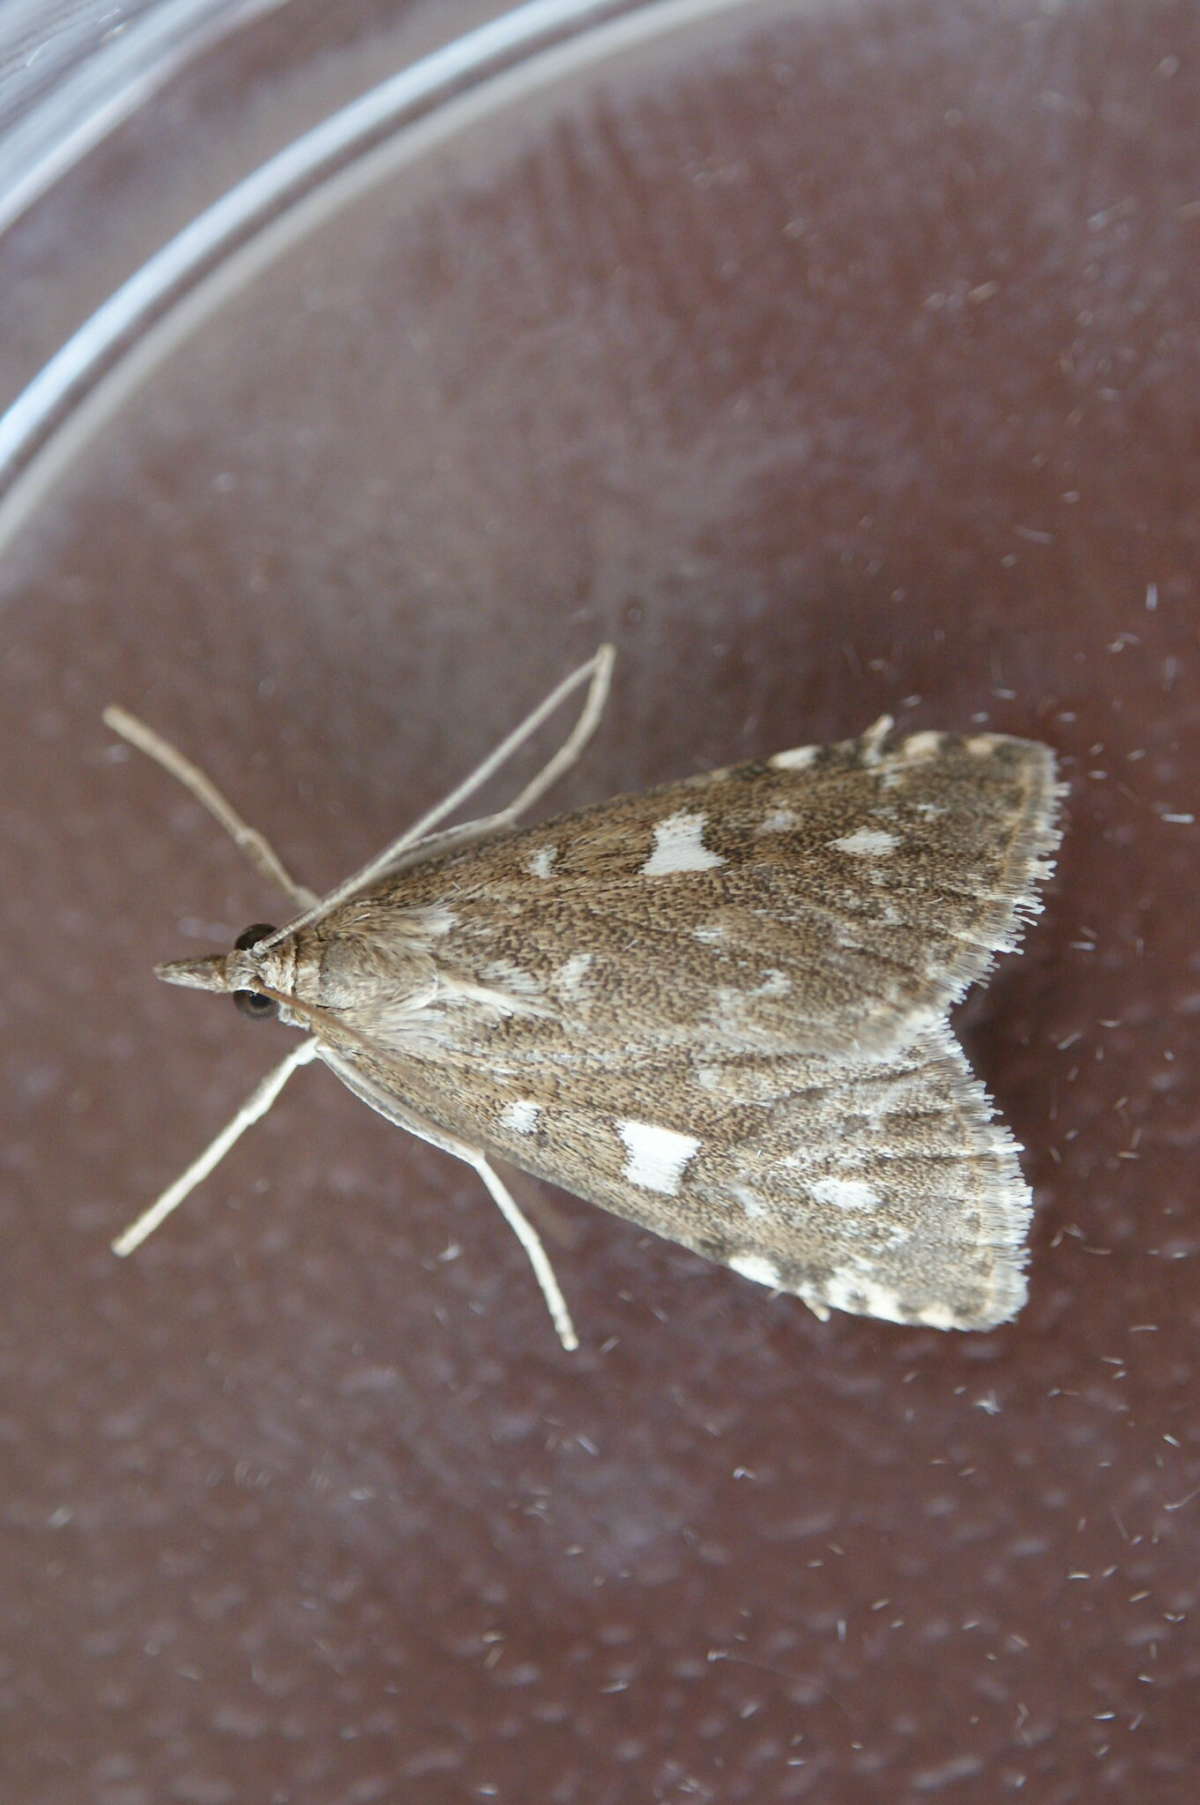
{"x":343,"y":969}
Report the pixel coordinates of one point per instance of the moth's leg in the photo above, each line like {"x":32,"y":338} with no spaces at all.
{"x":255,"y":846}
{"x":597,"y":673}
{"x":530,"y":1240}
{"x":391,"y":1107}
{"x":256,"y":1105}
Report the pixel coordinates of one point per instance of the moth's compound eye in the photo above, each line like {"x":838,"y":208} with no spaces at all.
{"x":251,"y":936}
{"x":251,"y":1002}
{"x":254,"y":1004}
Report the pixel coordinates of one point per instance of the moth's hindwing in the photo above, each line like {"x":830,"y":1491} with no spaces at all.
{"x":719,"y":1009}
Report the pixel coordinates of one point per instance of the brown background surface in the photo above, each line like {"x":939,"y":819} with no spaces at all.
{"x":832,"y":359}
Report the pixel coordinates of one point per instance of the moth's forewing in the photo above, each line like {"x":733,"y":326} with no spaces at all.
{"x":880,"y":1187}
{"x":829,"y":908}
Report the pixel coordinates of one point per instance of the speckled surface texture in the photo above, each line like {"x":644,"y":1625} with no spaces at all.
{"x":832,"y":360}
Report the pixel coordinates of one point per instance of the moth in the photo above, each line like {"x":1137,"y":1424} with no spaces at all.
{"x":718,"y":1008}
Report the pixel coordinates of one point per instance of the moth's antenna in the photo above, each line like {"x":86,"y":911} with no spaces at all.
{"x":256,"y":1105}
{"x":599,"y":669}
{"x":248,"y":840}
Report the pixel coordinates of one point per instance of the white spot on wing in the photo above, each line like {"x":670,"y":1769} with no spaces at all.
{"x":657,"y":1156}
{"x":798,"y":759}
{"x":867,"y":842}
{"x":540,"y":862}
{"x":520,"y":1116}
{"x":982,"y":745}
{"x":512,"y":978}
{"x":852,"y":1289}
{"x":679,"y":846}
{"x":709,"y":933}
{"x":846,"y":1193}
{"x":750,"y":1200}
{"x":432,"y":922}
{"x":779,"y":820}
{"x":919,"y":748}
{"x":755,"y":1266}
{"x":570,"y":976}
{"x":937,"y":1316}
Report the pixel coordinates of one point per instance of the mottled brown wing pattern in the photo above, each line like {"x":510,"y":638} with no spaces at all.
{"x":833,"y":898}
{"x":880,"y":1187}
{"x":719,"y":1009}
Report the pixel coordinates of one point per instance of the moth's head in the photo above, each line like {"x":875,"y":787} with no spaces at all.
{"x":241,"y":972}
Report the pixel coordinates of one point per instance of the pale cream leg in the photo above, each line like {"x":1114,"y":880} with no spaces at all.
{"x":530,"y":1240}
{"x":253,"y":1109}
